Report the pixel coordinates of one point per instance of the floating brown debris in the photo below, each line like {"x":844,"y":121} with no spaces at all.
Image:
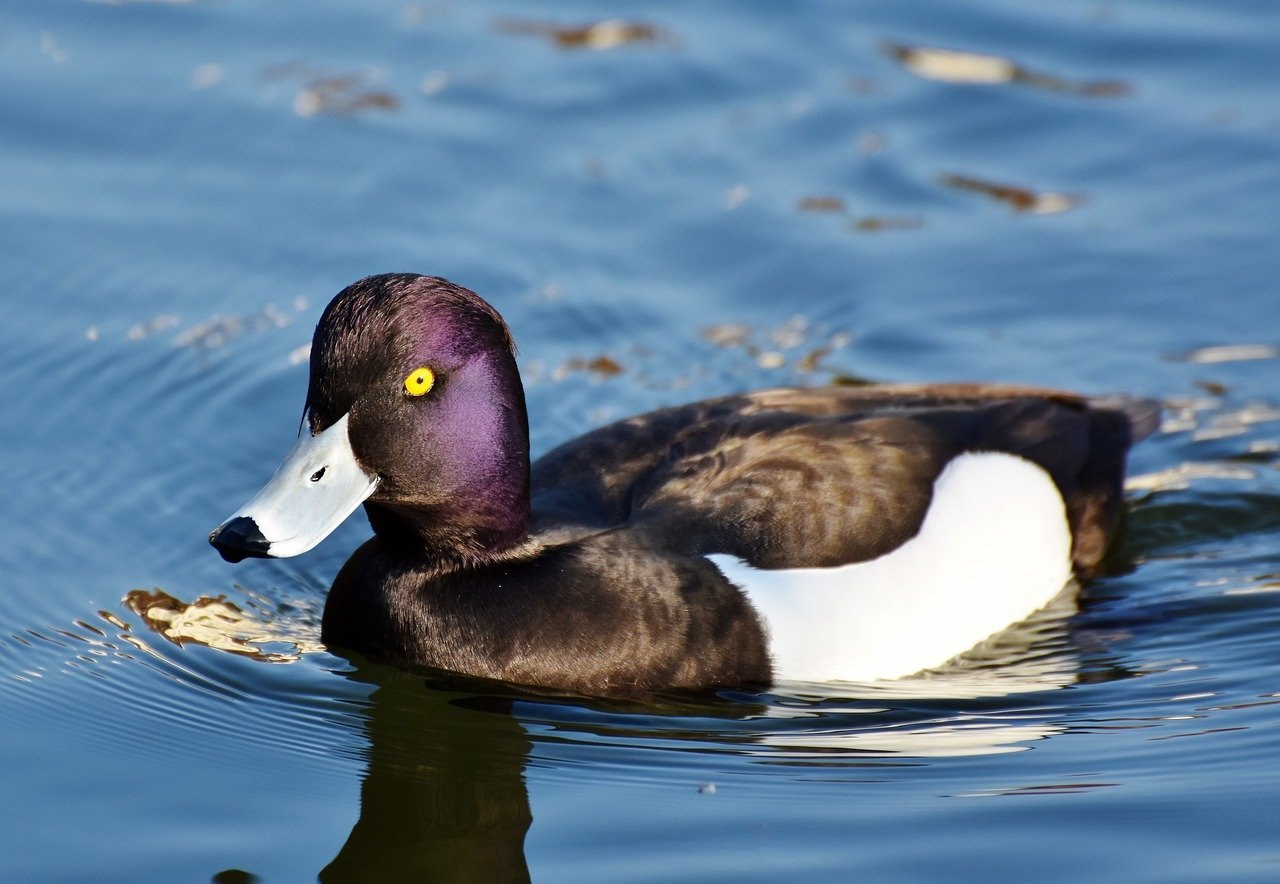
{"x":1212,"y":388}
{"x":332,"y":94}
{"x":599,"y":367}
{"x":843,"y":379}
{"x":952,"y":66}
{"x":604,"y":366}
{"x":1022,"y":199}
{"x":728,"y":334}
{"x":609,"y":34}
{"x":219,"y":624}
{"x":956,"y":66}
{"x":882,"y":223}
{"x":775,"y":348}
{"x":341,"y":96}
{"x":834,"y":205}
{"x":820,"y":203}
{"x":812,"y":361}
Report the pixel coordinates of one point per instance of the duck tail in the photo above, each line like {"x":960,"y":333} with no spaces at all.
{"x":1142,"y":415}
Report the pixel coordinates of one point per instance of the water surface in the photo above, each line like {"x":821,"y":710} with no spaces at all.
{"x":710,"y":198}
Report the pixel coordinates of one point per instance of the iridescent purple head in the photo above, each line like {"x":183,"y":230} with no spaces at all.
{"x":414,"y":407}
{"x":449,"y":444}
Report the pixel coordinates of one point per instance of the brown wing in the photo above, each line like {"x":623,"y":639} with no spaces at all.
{"x":819,"y":477}
{"x":780,"y":493}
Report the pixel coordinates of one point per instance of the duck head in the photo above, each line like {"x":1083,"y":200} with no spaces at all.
{"x":415,"y":409}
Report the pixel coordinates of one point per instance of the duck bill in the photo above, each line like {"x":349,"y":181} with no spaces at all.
{"x":319,"y":484}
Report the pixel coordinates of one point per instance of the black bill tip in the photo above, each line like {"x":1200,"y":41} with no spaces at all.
{"x":240,"y":539}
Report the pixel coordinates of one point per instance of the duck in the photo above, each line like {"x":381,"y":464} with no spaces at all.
{"x":803,"y":534}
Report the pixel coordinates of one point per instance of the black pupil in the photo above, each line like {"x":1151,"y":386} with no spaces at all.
{"x":318,"y":474}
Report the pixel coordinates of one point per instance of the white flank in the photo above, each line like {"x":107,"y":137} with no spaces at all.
{"x":994,"y":548}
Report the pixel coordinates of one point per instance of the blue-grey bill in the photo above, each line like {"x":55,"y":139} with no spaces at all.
{"x":317,"y":486}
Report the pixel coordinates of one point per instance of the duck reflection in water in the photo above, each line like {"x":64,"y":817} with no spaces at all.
{"x":443,"y":797}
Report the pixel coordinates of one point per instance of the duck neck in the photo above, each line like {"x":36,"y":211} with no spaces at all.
{"x":445,"y":536}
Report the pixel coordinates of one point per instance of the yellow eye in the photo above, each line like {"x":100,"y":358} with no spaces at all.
{"x":419,"y":381}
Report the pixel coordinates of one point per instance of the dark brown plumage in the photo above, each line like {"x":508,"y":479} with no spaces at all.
{"x":813,"y":477}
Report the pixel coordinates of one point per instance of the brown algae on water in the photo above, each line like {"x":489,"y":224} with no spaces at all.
{"x":598,"y":36}
{"x":1020,"y":199}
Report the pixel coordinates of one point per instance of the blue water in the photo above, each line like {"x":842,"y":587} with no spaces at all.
{"x":758,"y":194}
